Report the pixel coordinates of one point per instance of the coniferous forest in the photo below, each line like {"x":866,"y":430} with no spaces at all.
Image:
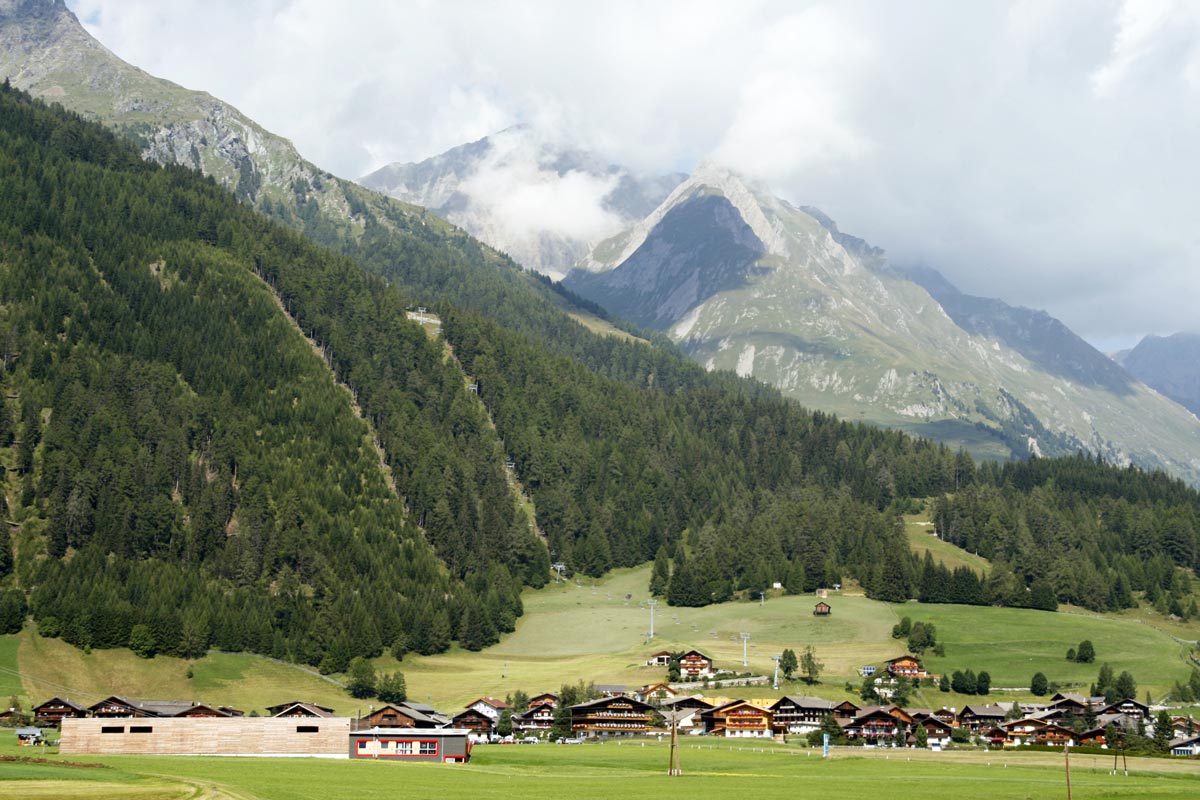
{"x":181,"y":458}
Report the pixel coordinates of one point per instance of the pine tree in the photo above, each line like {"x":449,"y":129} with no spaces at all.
{"x":983,"y":683}
{"x":1038,"y":685}
{"x":660,"y":576}
{"x":810,"y":666}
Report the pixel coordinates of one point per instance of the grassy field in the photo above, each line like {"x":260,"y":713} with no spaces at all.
{"x":921,"y":538}
{"x":631,"y":770}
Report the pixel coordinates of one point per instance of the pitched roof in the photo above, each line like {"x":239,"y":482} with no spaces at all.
{"x":311,"y":710}
{"x":987,"y":710}
{"x":499,"y":705}
{"x":806,"y":702}
{"x":611,"y":688}
{"x":602,"y":700}
{"x":408,"y":711}
{"x":62,"y":701}
{"x":290,"y":703}
{"x":154,"y":708}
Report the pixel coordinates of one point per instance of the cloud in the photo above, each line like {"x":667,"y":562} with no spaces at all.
{"x":1042,"y":151}
{"x":527,"y":196}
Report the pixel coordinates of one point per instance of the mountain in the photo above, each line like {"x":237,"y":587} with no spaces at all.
{"x":741,"y":280}
{"x":524,"y":194}
{"x":1170,"y":364}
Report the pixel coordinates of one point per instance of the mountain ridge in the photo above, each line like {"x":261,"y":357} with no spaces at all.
{"x":822,"y":315}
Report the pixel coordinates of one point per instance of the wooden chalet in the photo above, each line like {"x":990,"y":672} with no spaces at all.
{"x":611,"y":716}
{"x":115,"y":707}
{"x":398,"y":716}
{"x":302,"y":710}
{"x":544,"y":699}
{"x":279,"y":709}
{"x":489,"y":707}
{"x":475,"y":721}
{"x":799,"y":714}
{"x":937,"y":733}
{"x":1129,"y":707}
{"x":694,"y":702}
{"x":1036,"y":731}
{"x":695,"y":664}
{"x":1184,"y":726}
{"x":822,"y":609}
{"x":204,"y":710}
{"x":906,"y":666}
{"x":744,"y":719}
{"x":537,"y":719}
{"x":713,"y":718}
{"x":52,"y":712}
{"x":975,"y":717}
{"x":1095,"y":737}
{"x":655,"y":693}
{"x":660,"y":659}
{"x":873,"y":724}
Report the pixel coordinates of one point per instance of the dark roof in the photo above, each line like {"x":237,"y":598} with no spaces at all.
{"x":807,"y":702}
{"x":604,"y":700}
{"x":60,"y":701}
{"x":29,"y":732}
{"x":154,"y":708}
{"x":408,"y":711}
{"x":695,"y":653}
{"x":611,"y":688}
{"x":983,"y":710}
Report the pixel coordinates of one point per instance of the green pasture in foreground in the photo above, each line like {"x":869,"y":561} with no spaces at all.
{"x":631,"y":770}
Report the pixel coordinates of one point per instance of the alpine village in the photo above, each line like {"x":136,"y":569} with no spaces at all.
{"x":709,"y":492}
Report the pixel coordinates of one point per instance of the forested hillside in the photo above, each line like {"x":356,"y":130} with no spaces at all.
{"x":184,"y":458}
{"x":179,"y":458}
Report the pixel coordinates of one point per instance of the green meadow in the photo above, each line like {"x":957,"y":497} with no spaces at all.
{"x":597,"y":630}
{"x":632,"y":770}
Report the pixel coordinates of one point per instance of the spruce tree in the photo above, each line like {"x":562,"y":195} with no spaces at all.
{"x":660,"y":576}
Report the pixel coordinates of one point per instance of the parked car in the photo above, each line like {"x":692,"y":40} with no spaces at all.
{"x":529,"y":740}
{"x":573,"y":740}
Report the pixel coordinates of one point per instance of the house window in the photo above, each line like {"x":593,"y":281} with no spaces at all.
{"x":113,"y":729}
{"x":308,"y":729}
{"x":141,"y":729}
{"x":385,"y":745}
{"x":362,"y":744}
{"x":429,"y":748}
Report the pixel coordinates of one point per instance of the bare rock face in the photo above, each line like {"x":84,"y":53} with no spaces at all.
{"x":45,"y":51}
{"x":743,"y":281}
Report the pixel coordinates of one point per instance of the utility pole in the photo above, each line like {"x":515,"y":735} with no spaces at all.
{"x":1067,"y":761}
{"x":674,"y":768}
{"x":775,"y":683}
{"x":652,"y":603}
{"x":745,"y":638}
{"x":762,"y":597}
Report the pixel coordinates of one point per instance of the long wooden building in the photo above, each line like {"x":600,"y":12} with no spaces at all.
{"x":212,"y":736}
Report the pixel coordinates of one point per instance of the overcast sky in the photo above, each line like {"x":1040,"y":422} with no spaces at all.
{"x":1045,"y":152}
